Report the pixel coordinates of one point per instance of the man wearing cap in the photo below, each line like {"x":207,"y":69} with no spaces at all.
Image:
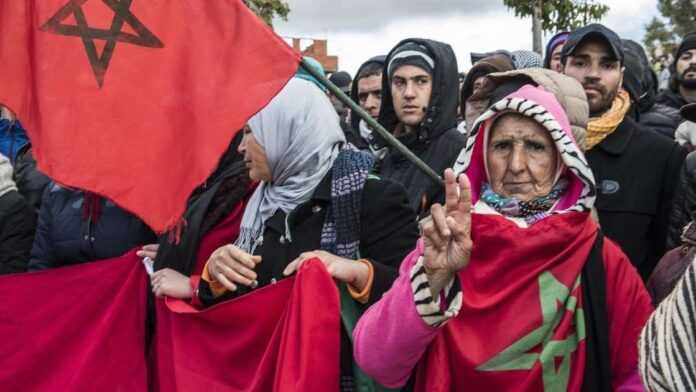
{"x":419,"y":106}
{"x":636,"y":170}
{"x":682,"y":85}
{"x":366,"y":90}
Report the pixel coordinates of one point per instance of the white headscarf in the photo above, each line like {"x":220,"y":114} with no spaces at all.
{"x":301,"y":134}
{"x":6,"y":182}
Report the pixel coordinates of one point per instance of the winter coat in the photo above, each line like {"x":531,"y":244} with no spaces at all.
{"x":671,"y":99}
{"x":672,"y":266}
{"x":437,"y":142}
{"x":17,"y":223}
{"x":30,"y":181}
{"x":684,"y":204}
{"x":636,"y":172}
{"x":65,"y":237}
{"x":662,"y":119}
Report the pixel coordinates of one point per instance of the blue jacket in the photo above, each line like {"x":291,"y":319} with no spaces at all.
{"x":64,"y":237}
{"x":13,"y":138}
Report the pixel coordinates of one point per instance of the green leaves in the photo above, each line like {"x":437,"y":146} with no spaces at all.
{"x":268,"y":9}
{"x":557,"y":15}
{"x":662,"y":35}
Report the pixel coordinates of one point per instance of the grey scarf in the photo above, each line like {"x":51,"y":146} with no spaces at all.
{"x":301,"y":134}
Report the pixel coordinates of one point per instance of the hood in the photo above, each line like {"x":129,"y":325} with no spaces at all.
{"x":495,"y":63}
{"x":559,"y":39}
{"x":441,"y":115}
{"x":639,"y":78}
{"x":355,"y":119}
{"x":567,"y":91}
{"x":543,"y":107}
{"x":6,"y":182}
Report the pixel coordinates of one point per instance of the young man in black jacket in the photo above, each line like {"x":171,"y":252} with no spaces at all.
{"x":636,"y":170}
{"x":419,"y":106}
{"x":17,"y":224}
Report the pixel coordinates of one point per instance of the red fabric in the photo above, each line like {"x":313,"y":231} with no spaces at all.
{"x":164,"y":114}
{"x":224,"y":233}
{"x":283,"y":337}
{"x":501,"y":304}
{"x":77,"y":328}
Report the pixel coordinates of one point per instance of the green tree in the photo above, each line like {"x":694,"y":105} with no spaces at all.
{"x":557,"y":15}
{"x":268,"y":9}
{"x":662,"y":35}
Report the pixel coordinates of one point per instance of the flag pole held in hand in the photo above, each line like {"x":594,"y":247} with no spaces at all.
{"x":388,"y":137}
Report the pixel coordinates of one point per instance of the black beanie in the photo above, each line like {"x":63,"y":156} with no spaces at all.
{"x":411,"y":54}
{"x":688,"y":43}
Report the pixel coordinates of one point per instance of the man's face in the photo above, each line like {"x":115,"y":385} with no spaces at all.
{"x":686,"y":69}
{"x":411,"y":88}
{"x":370,"y":94}
{"x":555,"y":64}
{"x":600,"y":73}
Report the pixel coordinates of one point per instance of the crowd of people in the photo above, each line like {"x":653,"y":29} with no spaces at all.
{"x":559,"y":255}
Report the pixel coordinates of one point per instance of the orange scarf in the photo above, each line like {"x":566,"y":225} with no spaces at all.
{"x":600,"y":127}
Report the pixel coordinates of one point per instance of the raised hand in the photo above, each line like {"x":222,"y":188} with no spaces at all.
{"x":447,"y":234}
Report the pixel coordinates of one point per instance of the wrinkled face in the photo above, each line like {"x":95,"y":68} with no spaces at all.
{"x":522,"y":159}
{"x":255,"y":157}
{"x":686,"y":69}
{"x":555,"y":64}
{"x":594,"y":65}
{"x":411,"y":88}
{"x":370,"y":94}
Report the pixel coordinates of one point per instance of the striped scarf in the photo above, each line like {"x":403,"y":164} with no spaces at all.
{"x":668,"y":341}
{"x":340,"y":234}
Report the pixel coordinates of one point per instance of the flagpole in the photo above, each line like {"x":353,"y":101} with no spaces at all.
{"x":374,"y":125}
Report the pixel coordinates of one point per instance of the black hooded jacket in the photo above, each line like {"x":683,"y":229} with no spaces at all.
{"x":437,"y":141}
{"x":641,"y":83}
{"x":355,"y":119}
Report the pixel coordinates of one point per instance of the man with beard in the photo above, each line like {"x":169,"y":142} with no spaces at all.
{"x":419,"y":106}
{"x":636,"y":170}
{"x":682,"y":87}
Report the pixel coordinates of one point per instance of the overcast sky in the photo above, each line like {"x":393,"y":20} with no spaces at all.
{"x":359,"y":29}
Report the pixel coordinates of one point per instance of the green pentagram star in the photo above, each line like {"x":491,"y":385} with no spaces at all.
{"x":519,"y":355}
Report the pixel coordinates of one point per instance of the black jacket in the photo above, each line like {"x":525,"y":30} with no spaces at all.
{"x":636,"y":172}
{"x":388,"y":233}
{"x":671,"y":99}
{"x":17,"y":226}
{"x":662,"y":119}
{"x":437,"y":141}
{"x":30,"y":181}
{"x":684,"y":205}
{"x":63,"y":237}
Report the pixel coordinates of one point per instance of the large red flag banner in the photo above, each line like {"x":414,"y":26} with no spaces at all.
{"x":136,"y":100}
{"x":82,"y":328}
{"x":78,"y":328}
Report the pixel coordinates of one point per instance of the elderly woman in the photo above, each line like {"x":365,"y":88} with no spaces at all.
{"x":512,"y":286}
{"x":315,"y":200}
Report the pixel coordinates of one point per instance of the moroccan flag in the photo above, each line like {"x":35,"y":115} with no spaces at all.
{"x":283,"y":337}
{"x":79,"y":328}
{"x":136,"y":100}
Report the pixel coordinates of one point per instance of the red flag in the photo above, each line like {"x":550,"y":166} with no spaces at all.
{"x":283,"y":337}
{"x":136,"y":100}
{"x":78,"y":328}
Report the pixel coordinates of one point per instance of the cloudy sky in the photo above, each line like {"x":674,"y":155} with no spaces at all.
{"x":359,"y":29}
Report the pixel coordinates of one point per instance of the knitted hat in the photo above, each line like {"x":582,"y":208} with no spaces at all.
{"x":341,"y":79}
{"x":558,"y":39}
{"x":688,"y":43}
{"x":411,"y":53}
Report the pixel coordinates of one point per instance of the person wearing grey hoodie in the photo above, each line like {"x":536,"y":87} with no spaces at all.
{"x":17,"y":223}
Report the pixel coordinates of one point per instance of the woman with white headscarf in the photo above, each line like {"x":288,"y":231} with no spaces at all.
{"x":315,"y":199}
